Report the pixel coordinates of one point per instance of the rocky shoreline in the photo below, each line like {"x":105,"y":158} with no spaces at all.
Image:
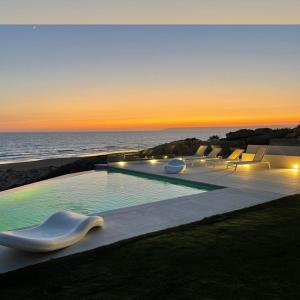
{"x":237,"y":139}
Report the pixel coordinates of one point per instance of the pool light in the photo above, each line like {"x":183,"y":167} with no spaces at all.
{"x":296,"y":167}
{"x":122,"y":163}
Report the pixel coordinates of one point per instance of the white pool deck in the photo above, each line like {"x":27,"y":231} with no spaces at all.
{"x":244,"y":188}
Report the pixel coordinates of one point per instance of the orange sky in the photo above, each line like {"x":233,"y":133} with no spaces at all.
{"x":158,"y":109}
{"x":148,"y":77}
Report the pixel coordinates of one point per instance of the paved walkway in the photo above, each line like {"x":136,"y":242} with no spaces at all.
{"x":246,"y":188}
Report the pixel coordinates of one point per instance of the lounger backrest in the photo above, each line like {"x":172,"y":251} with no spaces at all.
{"x":214,"y":152}
{"x":236,"y":154}
{"x":201,"y":150}
{"x":259,"y":154}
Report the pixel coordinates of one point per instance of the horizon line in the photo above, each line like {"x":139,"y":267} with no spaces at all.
{"x":283,"y":125}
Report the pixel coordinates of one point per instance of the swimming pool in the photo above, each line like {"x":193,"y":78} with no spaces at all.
{"x":87,"y":193}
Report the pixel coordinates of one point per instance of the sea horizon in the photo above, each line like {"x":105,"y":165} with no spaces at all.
{"x":31,"y":146}
{"x":246,"y":126}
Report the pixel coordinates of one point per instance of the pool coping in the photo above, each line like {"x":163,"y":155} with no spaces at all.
{"x":180,"y":181}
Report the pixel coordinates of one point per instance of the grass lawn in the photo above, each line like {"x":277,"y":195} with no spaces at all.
{"x":249,"y":254}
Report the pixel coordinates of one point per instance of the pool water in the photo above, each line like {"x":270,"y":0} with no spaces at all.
{"x":86,"y":193}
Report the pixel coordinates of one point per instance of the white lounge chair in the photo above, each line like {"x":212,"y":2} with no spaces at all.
{"x":213,"y":154}
{"x":60,"y":230}
{"x":199,"y":153}
{"x":259,"y":155}
{"x":175,"y":166}
{"x":234,"y":156}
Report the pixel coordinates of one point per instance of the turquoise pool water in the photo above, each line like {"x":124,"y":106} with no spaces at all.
{"x":85,"y":193}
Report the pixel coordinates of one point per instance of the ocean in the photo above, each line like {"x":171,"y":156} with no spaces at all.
{"x":21,"y":146}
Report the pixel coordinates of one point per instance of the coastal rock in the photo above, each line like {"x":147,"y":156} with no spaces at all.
{"x":189,"y":147}
{"x":177,"y":148}
{"x":240,"y":134}
{"x":281,"y":133}
{"x":259,"y":136}
{"x":263,"y":131}
{"x":297,"y":131}
{"x":258,"y":140}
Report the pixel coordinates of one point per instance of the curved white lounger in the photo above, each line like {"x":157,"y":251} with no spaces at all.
{"x":60,"y":230}
{"x":175,"y":166}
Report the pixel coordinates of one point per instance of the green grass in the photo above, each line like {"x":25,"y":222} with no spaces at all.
{"x":249,"y":254}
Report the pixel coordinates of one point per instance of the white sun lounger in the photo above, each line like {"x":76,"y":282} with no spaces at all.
{"x":259,"y":155}
{"x":201,"y":150}
{"x":59,"y":231}
{"x":213,"y":154}
{"x":199,"y":153}
{"x":234,"y":156}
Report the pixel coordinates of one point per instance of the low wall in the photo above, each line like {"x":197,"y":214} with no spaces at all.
{"x":287,"y":157}
{"x":276,"y":150}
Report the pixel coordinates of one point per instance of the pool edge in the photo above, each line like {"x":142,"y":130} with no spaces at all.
{"x":172,"y":180}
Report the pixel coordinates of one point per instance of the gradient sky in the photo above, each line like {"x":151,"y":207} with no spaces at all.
{"x":137,"y":77}
{"x":150,"y":11}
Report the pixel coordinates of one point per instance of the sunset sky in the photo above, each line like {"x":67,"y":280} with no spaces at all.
{"x":144,"y":77}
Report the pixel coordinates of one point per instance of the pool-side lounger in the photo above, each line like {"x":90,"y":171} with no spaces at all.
{"x":212,"y":155}
{"x":233,"y":157}
{"x":61,"y":230}
{"x":257,"y":160}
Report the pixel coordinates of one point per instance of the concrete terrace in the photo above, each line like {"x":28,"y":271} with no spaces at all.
{"x":283,"y":181}
{"x":244,"y":188}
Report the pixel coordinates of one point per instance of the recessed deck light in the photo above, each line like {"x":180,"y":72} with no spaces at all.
{"x":153,"y":161}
